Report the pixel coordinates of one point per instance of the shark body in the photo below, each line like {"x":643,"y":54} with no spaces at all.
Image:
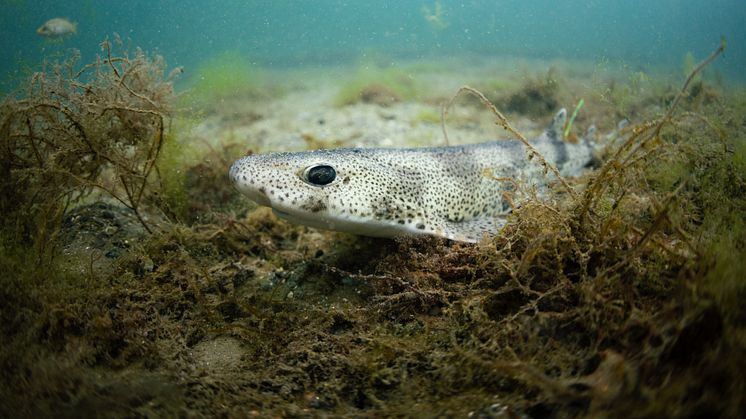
{"x":457,"y":192}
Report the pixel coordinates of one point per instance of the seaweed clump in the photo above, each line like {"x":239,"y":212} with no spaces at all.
{"x":607,"y":304}
{"x":536,"y":97}
{"x":74,"y":129}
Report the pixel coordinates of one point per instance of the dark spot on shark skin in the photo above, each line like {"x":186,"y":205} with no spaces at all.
{"x":314,"y":206}
{"x":420,"y":226}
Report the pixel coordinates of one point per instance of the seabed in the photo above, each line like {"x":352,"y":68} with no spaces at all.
{"x":137,"y":282}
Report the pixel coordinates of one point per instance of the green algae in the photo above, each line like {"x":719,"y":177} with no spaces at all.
{"x":382,"y":85}
{"x":227,"y":74}
{"x":429,"y":115}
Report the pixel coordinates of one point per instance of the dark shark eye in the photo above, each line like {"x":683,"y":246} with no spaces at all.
{"x":320,"y":175}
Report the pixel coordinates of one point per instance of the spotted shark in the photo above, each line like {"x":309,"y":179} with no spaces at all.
{"x":462,"y":193}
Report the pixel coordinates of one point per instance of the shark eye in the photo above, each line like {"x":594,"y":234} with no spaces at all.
{"x":320,"y":175}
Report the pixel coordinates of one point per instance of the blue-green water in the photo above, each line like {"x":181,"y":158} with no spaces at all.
{"x":311,"y":32}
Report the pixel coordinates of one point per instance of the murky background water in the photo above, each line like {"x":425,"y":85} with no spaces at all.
{"x":640,"y":33}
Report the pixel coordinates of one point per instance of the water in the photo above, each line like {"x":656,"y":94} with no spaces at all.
{"x":270,"y":33}
{"x":581,"y":306}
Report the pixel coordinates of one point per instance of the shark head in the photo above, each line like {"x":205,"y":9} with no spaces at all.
{"x":350,"y":190}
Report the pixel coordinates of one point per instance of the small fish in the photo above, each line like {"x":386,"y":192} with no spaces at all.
{"x":57,"y":28}
{"x":453,"y":192}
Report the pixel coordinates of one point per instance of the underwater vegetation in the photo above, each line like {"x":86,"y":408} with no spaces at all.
{"x":226,"y":75}
{"x":536,"y":97}
{"x":380,"y":85}
{"x":617,"y":295}
{"x":74,"y":129}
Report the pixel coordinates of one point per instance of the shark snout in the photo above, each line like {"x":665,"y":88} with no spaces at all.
{"x":242,"y":181}
{"x":233,"y":172}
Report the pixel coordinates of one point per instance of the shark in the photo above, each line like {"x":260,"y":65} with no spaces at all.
{"x":462,"y":193}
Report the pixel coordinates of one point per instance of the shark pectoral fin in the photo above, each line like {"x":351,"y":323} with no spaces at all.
{"x":473,"y":230}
